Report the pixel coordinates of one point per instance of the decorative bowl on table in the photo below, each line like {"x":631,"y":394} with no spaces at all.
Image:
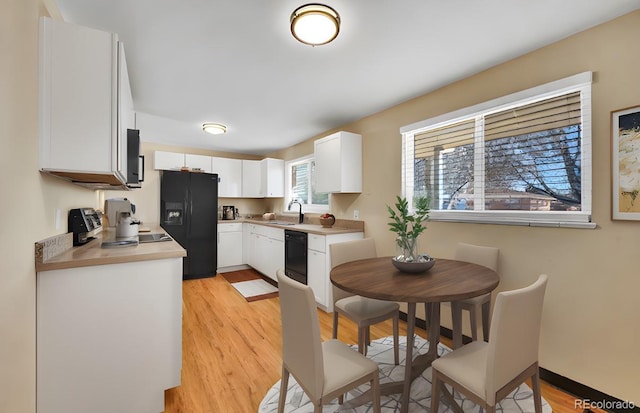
{"x":327,"y":220}
{"x":422,"y":264}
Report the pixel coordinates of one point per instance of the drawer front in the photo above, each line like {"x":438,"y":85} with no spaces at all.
{"x":275,"y":233}
{"x":317,"y":242}
{"x":230,"y":227}
{"x":259,"y":229}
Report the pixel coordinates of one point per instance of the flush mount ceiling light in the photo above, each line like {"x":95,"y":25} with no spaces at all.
{"x":315,"y":24}
{"x":214,"y":128}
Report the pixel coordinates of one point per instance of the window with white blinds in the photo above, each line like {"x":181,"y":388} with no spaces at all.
{"x":522,"y":159}
{"x":301,"y":185}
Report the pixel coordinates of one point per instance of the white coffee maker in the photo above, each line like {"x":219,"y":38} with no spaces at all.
{"x":114,"y":206}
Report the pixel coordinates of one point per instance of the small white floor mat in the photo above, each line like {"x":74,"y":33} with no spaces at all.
{"x":254,"y":287}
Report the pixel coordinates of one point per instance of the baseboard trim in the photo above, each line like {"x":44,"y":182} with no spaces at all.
{"x":222,"y":270}
{"x":587,"y":398}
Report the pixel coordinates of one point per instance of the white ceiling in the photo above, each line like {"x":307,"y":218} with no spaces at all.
{"x":235,"y":62}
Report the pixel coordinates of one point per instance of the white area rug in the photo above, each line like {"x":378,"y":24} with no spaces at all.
{"x":254,"y":288}
{"x":381,"y":351}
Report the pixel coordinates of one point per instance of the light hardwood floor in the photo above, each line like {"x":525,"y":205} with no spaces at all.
{"x":232,"y":350}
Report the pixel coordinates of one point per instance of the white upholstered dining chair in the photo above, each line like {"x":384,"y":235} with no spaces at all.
{"x":362,"y":310}
{"x":476,"y":306}
{"x":487,"y":372}
{"x":324,"y":370}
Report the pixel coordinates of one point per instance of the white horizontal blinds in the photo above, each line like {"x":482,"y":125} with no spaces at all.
{"x":553,"y":113}
{"x":300,"y":182}
{"x":533,"y":156}
{"x":520,"y":159}
{"x":443,"y":163}
{"x":317,"y":198}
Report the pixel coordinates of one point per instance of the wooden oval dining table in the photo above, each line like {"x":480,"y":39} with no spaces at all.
{"x":447,"y":280}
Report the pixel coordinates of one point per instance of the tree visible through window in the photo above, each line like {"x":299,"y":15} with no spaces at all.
{"x":301,"y":184}
{"x":527,"y":156}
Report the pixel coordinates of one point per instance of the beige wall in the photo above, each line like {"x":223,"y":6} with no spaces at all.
{"x":590,"y":326}
{"x":29,"y":204}
{"x":35,"y":206}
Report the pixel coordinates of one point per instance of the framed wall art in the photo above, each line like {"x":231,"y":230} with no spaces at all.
{"x":625,"y":151}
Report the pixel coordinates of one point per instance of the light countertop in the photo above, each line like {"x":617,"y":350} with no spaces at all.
{"x":92,"y":253}
{"x":340,"y":227}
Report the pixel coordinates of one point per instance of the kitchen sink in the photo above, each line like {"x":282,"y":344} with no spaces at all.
{"x":281,"y":223}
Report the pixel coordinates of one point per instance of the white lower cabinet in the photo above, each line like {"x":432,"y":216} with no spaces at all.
{"x":275,"y":256}
{"x":319,"y":265}
{"x":260,"y":244}
{"x":265,"y":249}
{"x":109,"y":337}
{"x":249,"y":238}
{"x":264,"y":252}
{"x":230,"y":245}
{"x":316,"y":273}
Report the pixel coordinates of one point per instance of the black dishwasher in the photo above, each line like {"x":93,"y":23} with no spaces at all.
{"x":295,"y":255}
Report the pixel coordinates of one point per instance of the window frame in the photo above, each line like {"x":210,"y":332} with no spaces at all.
{"x":311,"y":208}
{"x":573,"y":219}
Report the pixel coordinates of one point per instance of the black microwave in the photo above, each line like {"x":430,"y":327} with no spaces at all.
{"x":135,"y":162}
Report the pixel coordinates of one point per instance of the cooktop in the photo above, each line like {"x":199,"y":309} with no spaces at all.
{"x":142,"y":238}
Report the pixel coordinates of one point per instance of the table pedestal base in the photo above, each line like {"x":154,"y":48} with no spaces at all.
{"x":413,"y":368}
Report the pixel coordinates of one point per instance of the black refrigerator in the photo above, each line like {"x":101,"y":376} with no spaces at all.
{"x":189,"y":213}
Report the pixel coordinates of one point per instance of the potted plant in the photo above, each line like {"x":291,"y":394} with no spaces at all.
{"x":409,"y":226}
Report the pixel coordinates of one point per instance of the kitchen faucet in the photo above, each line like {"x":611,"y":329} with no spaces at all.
{"x":300,"y":214}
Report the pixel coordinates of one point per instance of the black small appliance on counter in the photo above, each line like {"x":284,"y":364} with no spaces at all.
{"x":229,"y":212}
{"x":85,"y":224}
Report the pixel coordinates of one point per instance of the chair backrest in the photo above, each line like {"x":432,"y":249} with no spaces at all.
{"x":342,"y":252}
{"x":301,"y":342}
{"x":477,"y":254}
{"x":515,"y":335}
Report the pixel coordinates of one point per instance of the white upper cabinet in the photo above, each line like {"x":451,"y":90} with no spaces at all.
{"x":168,"y":161}
{"x":338,"y":159}
{"x":229,"y":176}
{"x":237,"y":178}
{"x":126,"y":114}
{"x":251,"y":179}
{"x":198,"y":162}
{"x":272,"y":179}
{"x":175,"y":161}
{"x":85,"y":103}
{"x":263,"y":179}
